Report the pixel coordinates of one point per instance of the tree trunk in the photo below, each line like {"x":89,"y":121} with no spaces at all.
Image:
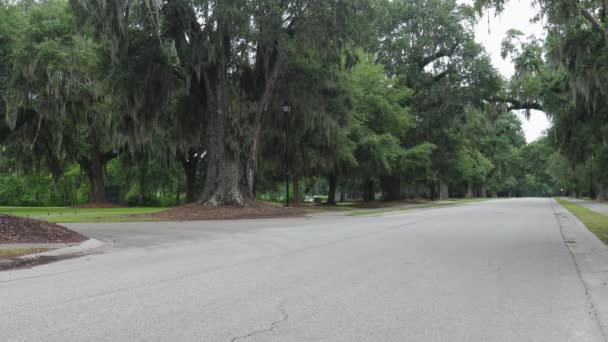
{"x":469,"y":193}
{"x":96,"y":175}
{"x":222,"y":179}
{"x":368,"y":190}
{"x":602,"y":191}
{"x":190,"y":163}
{"x":443,"y":191}
{"x":142,"y":183}
{"x":223,"y":184}
{"x":391,"y":187}
{"x":296,"y":190}
{"x":483,"y":192}
{"x":332,"y":179}
{"x":231,"y":169}
{"x":178,"y":190}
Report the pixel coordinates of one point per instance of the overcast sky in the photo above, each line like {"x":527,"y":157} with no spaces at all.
{"x":517,"y":15}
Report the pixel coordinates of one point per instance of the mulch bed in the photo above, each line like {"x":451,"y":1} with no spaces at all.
{"x":15,"y":229}
{"x":197,"y":211}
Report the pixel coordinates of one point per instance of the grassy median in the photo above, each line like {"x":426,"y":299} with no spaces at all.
{"x":9,"y":253}
{"x":71,"y":215}
{"x":596,"y":223}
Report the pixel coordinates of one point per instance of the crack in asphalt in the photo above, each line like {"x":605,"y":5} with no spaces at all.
{"x":273,"y":326}
{"x":33,"y":277}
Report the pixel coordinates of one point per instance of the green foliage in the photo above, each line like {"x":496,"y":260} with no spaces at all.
{"x":107,"y":104}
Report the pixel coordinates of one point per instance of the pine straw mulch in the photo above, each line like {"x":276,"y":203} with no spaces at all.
{"x":198,"y":211}
{"x":15,"y":229}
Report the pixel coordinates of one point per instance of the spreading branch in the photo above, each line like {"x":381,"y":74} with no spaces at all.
{"x":514,"y":104}
{"x":594,"y":22}
{"x":24,"y":115}
{"x":444,"y":52}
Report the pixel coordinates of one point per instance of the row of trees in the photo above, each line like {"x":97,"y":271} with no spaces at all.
{"x":146,"y":98}
{"x":565,"y":75}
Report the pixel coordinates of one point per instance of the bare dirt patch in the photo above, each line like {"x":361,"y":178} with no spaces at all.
{"x":197,"y":211}
{"x":15,"y":229}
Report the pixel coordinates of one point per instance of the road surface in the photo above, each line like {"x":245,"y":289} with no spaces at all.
{"x":487,"y":271}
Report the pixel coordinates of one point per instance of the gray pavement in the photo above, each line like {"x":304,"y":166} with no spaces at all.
{"x":599,"y":208}
{"x":488,"y":271}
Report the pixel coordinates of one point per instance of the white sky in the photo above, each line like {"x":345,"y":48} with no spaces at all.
{"x":517,"y":15}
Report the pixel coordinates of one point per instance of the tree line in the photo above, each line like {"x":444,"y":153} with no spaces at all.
{"x":180,"y":100}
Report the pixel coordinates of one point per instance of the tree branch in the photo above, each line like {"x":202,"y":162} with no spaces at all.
{"x":24,"y":115}
{"x":594,"y":22}
{"x":445,"y":52}
{"x":514,"y":104}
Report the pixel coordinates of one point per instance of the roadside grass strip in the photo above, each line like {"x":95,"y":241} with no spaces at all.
{"x":73,"y":215}
{"x":9,"y":253}
{"x":440,"y":203}
{"x":596,"y":223}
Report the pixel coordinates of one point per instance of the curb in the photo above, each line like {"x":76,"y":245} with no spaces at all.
{"x":86,"y":247}
{"x":590,"y":255}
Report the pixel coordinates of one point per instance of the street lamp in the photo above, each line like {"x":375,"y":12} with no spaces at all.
{"x":286,"y":110}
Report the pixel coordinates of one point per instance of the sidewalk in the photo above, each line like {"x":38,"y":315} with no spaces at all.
{"x":593,"y":206}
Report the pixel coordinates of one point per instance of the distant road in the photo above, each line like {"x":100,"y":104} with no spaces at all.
{"x":496,"y":270}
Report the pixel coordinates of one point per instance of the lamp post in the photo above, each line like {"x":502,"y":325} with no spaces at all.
{"x":286,"y":110}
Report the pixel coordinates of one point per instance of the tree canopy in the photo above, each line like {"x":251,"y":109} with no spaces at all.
{"x":137,"y":101}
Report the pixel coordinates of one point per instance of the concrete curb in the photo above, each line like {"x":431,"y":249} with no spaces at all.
{"x":590,"y":255}
{"x":86,"y":247}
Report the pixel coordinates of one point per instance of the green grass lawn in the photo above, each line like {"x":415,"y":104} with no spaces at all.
{"x":596,"y":223}
{"x":70,"y":215}
{"x":9,"y":253}
{"x":429,"y":204}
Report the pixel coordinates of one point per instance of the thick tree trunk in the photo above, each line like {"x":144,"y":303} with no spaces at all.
{"x":602,"y":192}
{"x":391,"y":187}
{"x":469,"y":192}
{"x":222,"y":180}
{"x":368,"y":190}
{"x":96,"y":174}
{"x":483,"y":192}
{"x":332,"y":179}
{"x":443,"y":191}
{"x":223,"y":184}
{"x":231,"y":169}
{"x":190,"y":163}
{"x":296,"y":190}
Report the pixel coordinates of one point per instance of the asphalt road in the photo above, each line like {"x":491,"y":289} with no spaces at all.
{"x":487,"y":271}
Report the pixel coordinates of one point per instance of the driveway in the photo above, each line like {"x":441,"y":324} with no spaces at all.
{"x":496,"y":270}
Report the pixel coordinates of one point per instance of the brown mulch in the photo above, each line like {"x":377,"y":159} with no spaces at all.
{"x":15,"y":229}
{"x":99,"y":205}
{"x":197,"y":211}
